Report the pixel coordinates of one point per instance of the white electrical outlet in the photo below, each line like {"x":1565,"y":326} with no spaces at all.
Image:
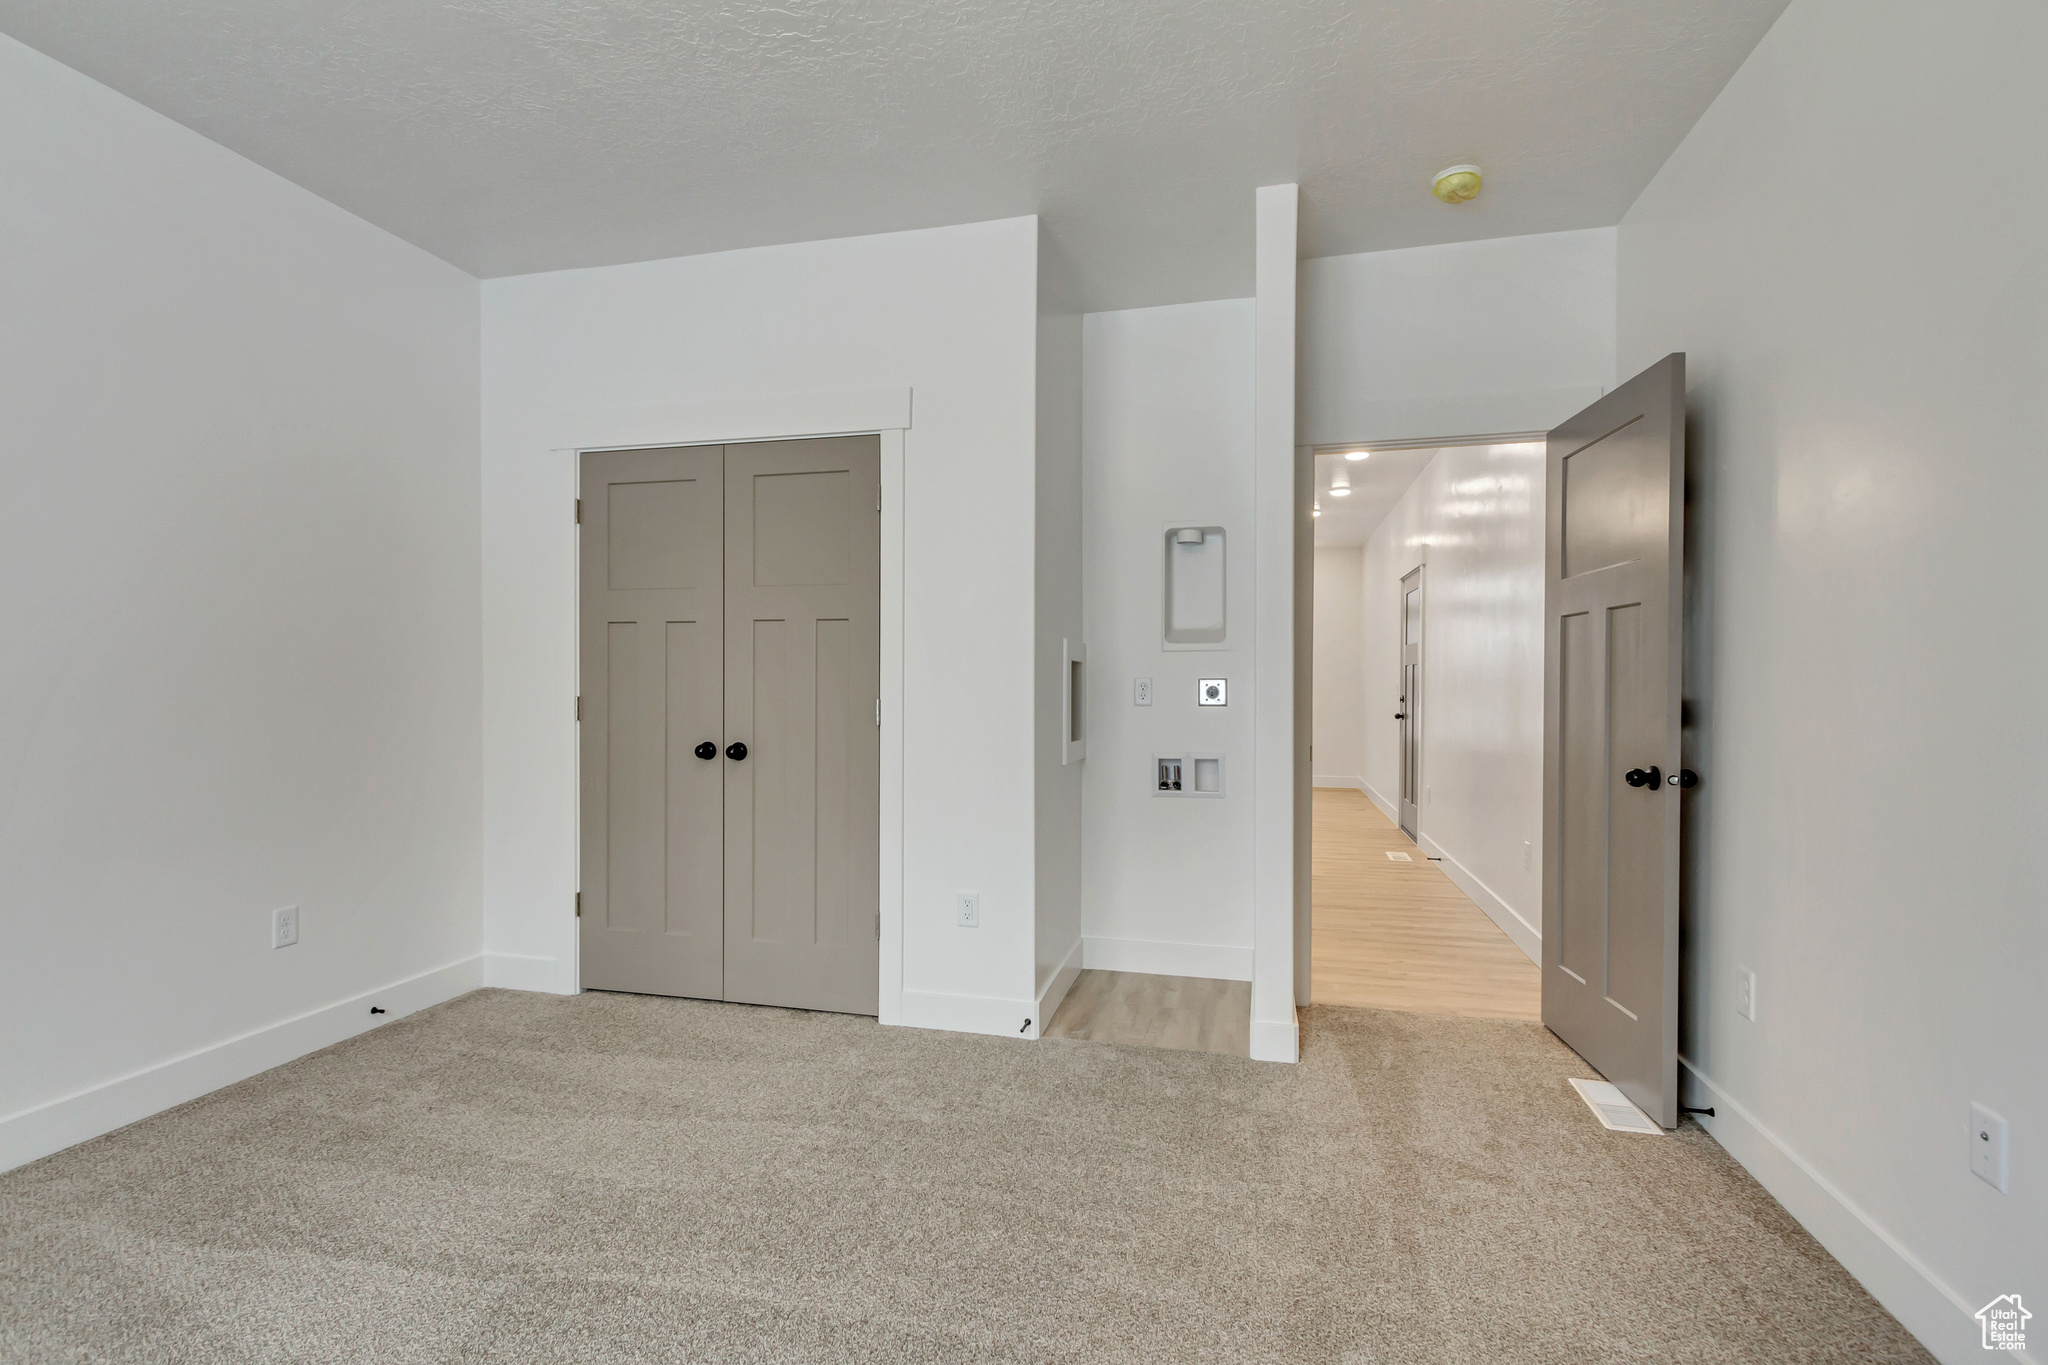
{"x":284,"y":926}
{"x":1528,"y":855}
{"x":1141,"y":692}
{"x":1745,"y":993}
{"x":967,"y":909}
{"x":1987,"y":1147}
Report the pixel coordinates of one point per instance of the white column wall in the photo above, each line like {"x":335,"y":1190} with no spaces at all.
{"x":1167,"y":421}
{"x":1280,"y":846}
{"x":1848,"y":248}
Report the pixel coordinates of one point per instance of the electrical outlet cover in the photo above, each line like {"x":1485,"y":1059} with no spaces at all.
{"x":284,"y":926}
{"x":1213,"y":692}
{"x":1141,"y":692}
{"x":967,"y":909}
{"x":1988,"y":1147}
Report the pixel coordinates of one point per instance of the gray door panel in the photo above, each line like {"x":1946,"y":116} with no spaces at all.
{"x":652,"y":616}
{"x":802,"y":661}
{"x":1613,"y":638}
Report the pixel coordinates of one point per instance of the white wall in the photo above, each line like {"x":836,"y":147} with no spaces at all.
{"x":1057,"y":802}
{"x":1474,"y":519}
{"x":1469,"y":339}
{"x":949,"y":313}
{"x":240,"y":597}
{"x":1848,"y":249}
{"x":1167,"y":431}
{"x":1339,"y":704}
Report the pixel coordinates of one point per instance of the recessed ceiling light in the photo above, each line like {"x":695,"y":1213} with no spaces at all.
{"x":1340,"y":492}
{"x":1357,"y":454}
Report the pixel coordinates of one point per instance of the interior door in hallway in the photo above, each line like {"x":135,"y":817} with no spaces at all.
{"x":652,"y":626}
{"x":1410,"y":714}
{"x":802,"y":672}
{"x":1612,"y":656}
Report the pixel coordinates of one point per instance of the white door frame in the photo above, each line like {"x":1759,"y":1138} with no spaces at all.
{"x":884,"y":413}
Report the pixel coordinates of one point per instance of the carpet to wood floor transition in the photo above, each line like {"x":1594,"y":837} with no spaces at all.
{"x":514,"y":1177}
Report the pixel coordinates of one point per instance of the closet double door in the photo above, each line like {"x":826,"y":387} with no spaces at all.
{"x":730,"y":668}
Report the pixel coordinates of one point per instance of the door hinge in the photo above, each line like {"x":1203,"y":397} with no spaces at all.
{"x":878,"y":710}
{"x":579,"y":905}
{"x":579,"y":708}
{"x":878,"y":499}
{"x":579,"y":511}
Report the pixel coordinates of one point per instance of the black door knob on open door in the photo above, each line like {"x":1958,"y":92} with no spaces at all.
{"x":1638,"y":777}
{"x":706,"y":750}
{"x":735,"y":751}
{"x":1400,"y":715}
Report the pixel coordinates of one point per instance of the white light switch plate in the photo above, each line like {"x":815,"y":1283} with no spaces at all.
{"x":1141,"y":692}
{"x":1745,"y":993}
{"x":284,"y":926}
{"x":967,"y":909}
{"x":1987,"y":1147}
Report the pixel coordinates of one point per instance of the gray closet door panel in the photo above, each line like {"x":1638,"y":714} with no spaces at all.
{"x":802,"y":658}
{"x":652,"y":613}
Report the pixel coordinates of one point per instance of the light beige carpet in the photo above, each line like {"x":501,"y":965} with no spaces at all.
{"x":522,"y":1178}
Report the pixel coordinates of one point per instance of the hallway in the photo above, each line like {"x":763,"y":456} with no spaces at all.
{"x":1400,"y":935}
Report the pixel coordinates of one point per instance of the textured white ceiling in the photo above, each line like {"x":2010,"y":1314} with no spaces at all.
{"x":519,"y":135}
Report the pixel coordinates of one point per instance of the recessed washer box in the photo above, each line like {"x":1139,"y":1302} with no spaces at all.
{"x":1187,"y":775}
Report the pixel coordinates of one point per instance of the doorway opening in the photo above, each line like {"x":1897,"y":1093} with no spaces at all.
{"x":1427,"y":726}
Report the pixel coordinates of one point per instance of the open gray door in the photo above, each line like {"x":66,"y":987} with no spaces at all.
{"x":1612,"y":651}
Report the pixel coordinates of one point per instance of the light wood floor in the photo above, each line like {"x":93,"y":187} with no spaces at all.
{"x":1402,"y":936}
{"x":1190,"y":1013}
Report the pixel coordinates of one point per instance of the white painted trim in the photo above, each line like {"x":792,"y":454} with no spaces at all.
{"x":1930,"y":1309}
{"x":1528,"y":937}
{"x":1055,"y":989}
{"x":890,"y":1001}
{"x":1276,"y":1040}
{"x":759,"y":417}
{"x":884,"y":413}
{"x":522,"y":972}
{"x":1217,"y":961}
{"x":1356,"y":784}
{"x":969,"y":1014}
{"x":1387,"y":808}
{"x":56,"y":1124}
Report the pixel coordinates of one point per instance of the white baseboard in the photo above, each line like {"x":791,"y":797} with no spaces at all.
{"x":1055,"y":989}
{"x":1276,"y":1040}
{"x":52,"y":1126}
{"x":520,"y":972}
{"x":970,"y":1014}
{"x":1928,"y":1308}
{"x":1356,"y":784}
{"x":1219,"y":961}
{"x":1528,"y":937}
{"x":1387,"y":808}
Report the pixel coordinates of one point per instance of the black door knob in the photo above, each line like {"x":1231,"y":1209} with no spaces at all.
{"x":706,"y":750}
{"x":1400,"y":715}
{"x":1639,"y":777}
{"x":735,"y":751}
{"x":1686,"y":778}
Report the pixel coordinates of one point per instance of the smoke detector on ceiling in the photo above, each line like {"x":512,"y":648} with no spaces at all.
{"x":1457,"y":184}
